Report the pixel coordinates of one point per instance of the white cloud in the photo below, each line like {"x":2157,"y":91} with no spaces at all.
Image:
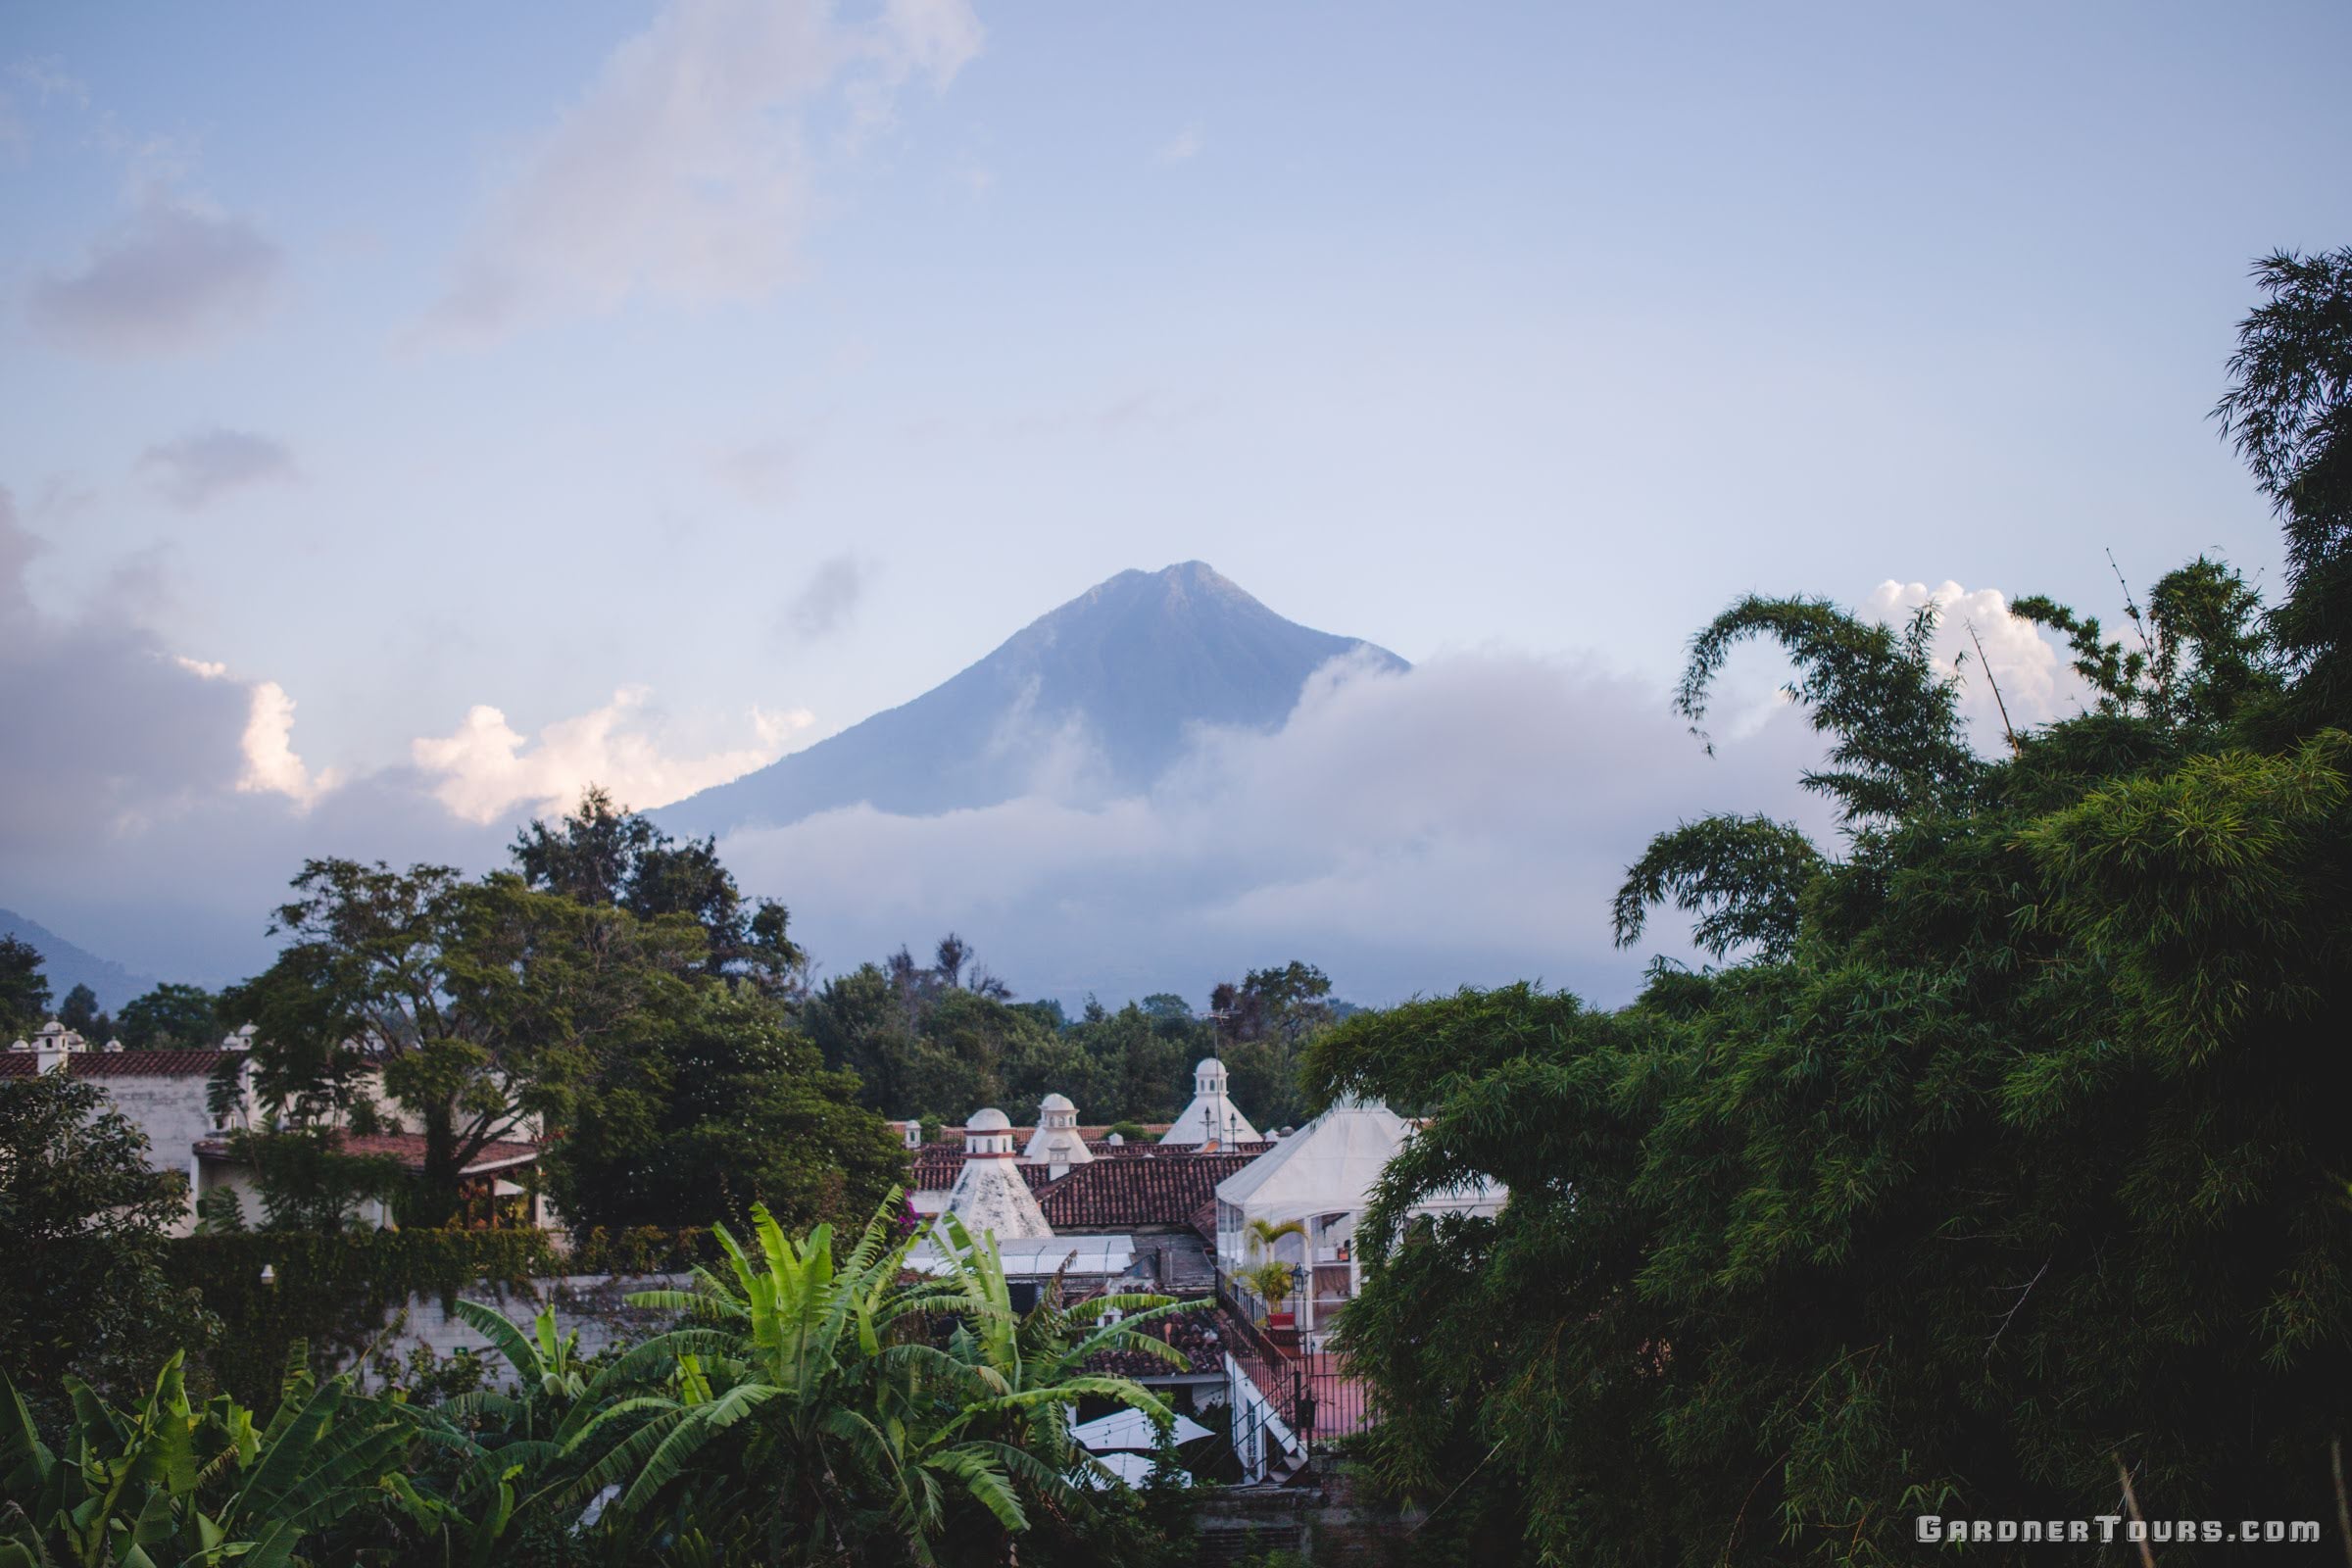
{"x":1465,"y":821}
{"x":48,"y":79}
{"x":485,"y":767}
{"x":271,"y":767}
{"x":684,"y":172}
{"x":118,"y":734}
{"x":204,"y":466}
{"x":179,"y":274}
{"x":2037,"y":680}
{"x":1184,"y":145}
{"x":937,"y":37}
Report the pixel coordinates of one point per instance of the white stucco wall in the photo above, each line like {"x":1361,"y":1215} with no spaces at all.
{"x":171,"y":1111}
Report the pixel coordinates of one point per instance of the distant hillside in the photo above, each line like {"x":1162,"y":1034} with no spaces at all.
{"x":68,"y":965}
{"x":1124,"y":669}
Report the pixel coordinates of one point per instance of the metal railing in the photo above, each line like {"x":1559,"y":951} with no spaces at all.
{"x":1307,"y":1386}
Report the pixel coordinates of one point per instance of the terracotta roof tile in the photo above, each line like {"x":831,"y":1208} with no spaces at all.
{"x":146,"y":1064}
{"x":406,"y":1148}
{"x":1091,"y":1134}
{"x":936,"y":1168}
{"x":120,"y":1064}
{"x":1115,"y":1194}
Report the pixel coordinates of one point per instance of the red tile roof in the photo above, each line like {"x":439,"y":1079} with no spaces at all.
{"x":1120,"y":1193}
{"x":146,"y":1064}
{"x":1093,"y":1136}
{"x":1108,"y":1151}
{"x":406,"y":1148}
{"x":937,"y":1166}
{"x":120,"y":1064}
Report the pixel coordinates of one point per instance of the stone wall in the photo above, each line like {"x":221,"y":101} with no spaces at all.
{"x":595,"y":1304}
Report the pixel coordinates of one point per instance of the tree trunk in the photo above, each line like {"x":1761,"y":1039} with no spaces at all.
{"x":434,"y":1202}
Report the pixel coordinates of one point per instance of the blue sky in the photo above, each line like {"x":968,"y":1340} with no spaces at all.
{"x":773,"y":362}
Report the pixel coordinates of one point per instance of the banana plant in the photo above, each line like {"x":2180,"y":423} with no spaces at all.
{"x":846,"y":1428}
{"x":171,"y":1486}
{"x":473,"y":1521}
{"x":1030,"y":1369}
{"x":797,"y":1364}
{"x":501,"y":1441}
{"x":547,"y":1362}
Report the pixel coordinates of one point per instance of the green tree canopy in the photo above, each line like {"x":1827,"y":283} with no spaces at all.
{"x":476,"y":1009}
{"x":23,"y":989}
{"x":2012,"y":1147}
{"x":721,"y":1105}
{"x":82,"y":1224}
{"x":1262,"y":1024}
{"x":171,"y":1017}
{"x":604,"y":853}
{"x":945,"y":1039}
{"x":2027,"y":1153}
{"x":80,"y":1012}
{"x":2290,"y":410}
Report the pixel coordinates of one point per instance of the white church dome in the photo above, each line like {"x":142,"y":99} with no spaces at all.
{"x":1212,"y":1118}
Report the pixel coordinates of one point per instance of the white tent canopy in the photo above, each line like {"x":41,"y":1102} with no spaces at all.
{"x":1325,"y":1173}
{"x":1133,"y":1469}
{"x":1131,"y":1429}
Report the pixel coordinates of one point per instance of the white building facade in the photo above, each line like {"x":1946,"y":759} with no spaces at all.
{"x":1320,"y":1178}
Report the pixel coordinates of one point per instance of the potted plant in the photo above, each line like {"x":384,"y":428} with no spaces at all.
{"x":1274,"y":1280}
{"x":1264,"y":1233}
